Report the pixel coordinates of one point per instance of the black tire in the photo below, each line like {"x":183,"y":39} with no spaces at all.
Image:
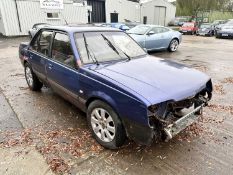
{"x":120,"y":135}
{"x":170,"y":45}
{"x":35,"y":85}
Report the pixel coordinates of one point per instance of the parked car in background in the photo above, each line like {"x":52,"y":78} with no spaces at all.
{"x":35,"y":28}
{"x":189,"y":28}
{"x":120,"y":26}
{"x":217,"y":27}
{"x":225,"y":30}
{"x":178,"y":21}
{"x":124,"y":91}
{"x":206,"y":29}
{"x":153,"y":37}
{"x":217,"y":22}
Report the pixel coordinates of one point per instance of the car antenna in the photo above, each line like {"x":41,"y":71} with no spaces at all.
{"x":64,"y":19}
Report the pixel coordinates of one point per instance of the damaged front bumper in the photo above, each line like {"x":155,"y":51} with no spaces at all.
{"x":182,"y":123}
{"x":170,"y":118}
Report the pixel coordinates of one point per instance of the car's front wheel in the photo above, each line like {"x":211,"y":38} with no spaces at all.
{"x":105,"y":125}
{"x":174,"y":44}
{"x":31,"y":78}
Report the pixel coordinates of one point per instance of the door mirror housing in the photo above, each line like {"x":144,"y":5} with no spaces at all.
{"x":151,"y":33}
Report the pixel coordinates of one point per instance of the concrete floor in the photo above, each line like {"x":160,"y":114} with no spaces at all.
{"x":205,"y":149}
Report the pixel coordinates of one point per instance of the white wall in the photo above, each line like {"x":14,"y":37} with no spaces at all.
{"x":125,"y":9}
{"x":31,"y":13}
{"x":149,"y":7}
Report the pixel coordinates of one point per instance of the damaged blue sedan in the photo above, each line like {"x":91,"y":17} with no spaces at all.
{"x":125,"y":92}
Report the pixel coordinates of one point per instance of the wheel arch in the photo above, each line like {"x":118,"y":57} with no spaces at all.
{"x":105,"y":99}
{"x":175,"y":38}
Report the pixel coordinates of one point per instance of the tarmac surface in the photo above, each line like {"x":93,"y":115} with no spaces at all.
{"x":39,"y":130}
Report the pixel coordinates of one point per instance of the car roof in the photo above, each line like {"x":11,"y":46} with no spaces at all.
{"x":80,"y":28}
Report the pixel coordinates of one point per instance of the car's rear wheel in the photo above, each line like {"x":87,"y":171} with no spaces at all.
{"x":174,"y":44}
{"x":105,"y":125}
{"x":31,"y":78}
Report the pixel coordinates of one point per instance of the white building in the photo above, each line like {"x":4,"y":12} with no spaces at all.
{"x":18,"y":16}
{"x":159,"y":12}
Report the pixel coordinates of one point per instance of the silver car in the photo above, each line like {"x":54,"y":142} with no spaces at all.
{"x":225,"y":30}
{"x":153,"y":37}
{"x":36,"y":27}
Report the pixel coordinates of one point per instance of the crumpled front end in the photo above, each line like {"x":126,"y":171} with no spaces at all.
{"x":171,"y":117}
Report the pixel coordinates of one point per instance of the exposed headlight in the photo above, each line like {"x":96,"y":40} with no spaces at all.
{"x":153,"y":108}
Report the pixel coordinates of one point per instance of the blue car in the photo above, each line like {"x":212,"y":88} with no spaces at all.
{"x":120,"y":26}
{"x":154,"y":37}
{"x":125,"y":92}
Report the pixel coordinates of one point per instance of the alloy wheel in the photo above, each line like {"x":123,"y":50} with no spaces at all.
{"x":174,"y":45}
{"x":29,"y":78}
{"x":103,"y":124}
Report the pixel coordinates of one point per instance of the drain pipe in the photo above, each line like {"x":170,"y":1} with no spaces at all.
{"x":17,"y":13}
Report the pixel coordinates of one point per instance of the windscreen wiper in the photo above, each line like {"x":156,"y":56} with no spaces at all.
{"x":114,"y":47}
{"x":89,"y":55}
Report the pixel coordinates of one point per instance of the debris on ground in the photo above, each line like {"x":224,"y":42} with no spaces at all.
{"x":228,"y":80}
{"x":218,"y":88}
{"x":54,"y":144}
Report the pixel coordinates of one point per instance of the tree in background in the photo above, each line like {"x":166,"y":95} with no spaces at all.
{"x":192,"y":7}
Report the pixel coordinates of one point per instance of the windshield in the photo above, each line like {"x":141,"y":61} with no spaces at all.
{"x":188,"y":25}
{"x":139,"y":30}
{"x":106,"y":46}
{"x":203,"y":26}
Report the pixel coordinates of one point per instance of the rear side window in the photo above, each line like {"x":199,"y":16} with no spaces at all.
{"x":42,"y":43}
{"x":61,"y":50}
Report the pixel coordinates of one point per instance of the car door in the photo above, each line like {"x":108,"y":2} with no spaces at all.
{"x":39,"y":52}
{"x":61,"y":70}
{"x":156,"y":40}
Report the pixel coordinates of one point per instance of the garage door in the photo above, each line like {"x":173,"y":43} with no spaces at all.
{"x":98,"y":10}
{"x":160,"y":15}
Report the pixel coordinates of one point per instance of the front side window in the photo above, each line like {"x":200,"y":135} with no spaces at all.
{"x":158,"y":30}
{"x":139,"y":30}
{"x":41,"y":44}
{"x":62,"y":51}
{"x":107,"y":46}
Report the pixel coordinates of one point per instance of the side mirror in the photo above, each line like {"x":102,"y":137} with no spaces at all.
{"x":151,"y":33}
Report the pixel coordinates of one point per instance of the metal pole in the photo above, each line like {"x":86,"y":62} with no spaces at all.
{"x":17,"y":13}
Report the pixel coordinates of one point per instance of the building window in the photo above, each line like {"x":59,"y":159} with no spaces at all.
{"x":52,"y":15}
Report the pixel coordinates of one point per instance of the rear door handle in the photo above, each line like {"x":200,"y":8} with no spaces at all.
{"x":50,"y":66}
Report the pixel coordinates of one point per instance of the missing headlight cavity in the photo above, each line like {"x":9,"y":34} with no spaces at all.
{"x":170,"y":111}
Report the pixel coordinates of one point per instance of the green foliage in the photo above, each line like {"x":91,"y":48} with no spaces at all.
{"x":191,"y":7}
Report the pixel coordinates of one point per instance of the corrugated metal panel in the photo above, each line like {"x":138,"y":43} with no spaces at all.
{"x":31,"y":13}
{"x":2,"y":27}
{"x":10,"y":17}
{"x":98,"y":11}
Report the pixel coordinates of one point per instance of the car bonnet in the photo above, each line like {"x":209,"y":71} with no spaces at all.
{"x":156,"y":79}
